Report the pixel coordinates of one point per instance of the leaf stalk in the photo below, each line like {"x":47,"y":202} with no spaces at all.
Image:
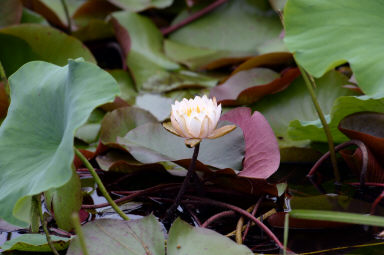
{"x":100,"y":184}
{"x":310,"y":83}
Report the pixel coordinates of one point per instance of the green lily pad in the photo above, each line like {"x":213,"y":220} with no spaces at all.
{"x":294,"y":104}
{"x":183,"y":239}
{"x":32,"y":17}
{"x":151,"y":68}
{"x":26,"y":42}
{"x":120,"y":121}
{"x":326,"y":33}
{"x":151,"y":143}
{"x":140,"y":5}
{"x":145,"y":236}
{"x":115,"y":237}
{"x":48,"y":103}
{"x":158,"y":105}
{"x":126,"y":84}
{"x":35,"y":243}
{"x":342,"y":107}
{"x":243,"y":19}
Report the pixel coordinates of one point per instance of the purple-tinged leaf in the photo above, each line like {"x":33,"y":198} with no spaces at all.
{"x":262,"y":156}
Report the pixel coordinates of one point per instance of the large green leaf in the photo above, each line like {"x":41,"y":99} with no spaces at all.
{"x":115,"y":237}
{"x":151,"y":143}
{"x":243,"y":19}
{"x":22,"y":43}
{"x":295,"y":104}
{"x":183,"y":239}
{"x":35,"y":243}
{"x":36,"y":139}
{"x":326,"y":33}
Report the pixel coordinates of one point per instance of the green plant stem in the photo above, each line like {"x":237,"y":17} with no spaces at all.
{"x":310,"y":86}
{"x":36,"y":203}
{"x":100,"y":184}
{"x":69,"y":23}
{"x":3,"y":76}
{"x":44,"y":224}
{"x":79,"y":233}
{"x":286,"y":228}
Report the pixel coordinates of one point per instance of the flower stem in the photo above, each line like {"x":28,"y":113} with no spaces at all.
{"x":310,"y":85}
{"x":100,"y":184}
{"x":186,"y":181}
{"x":69,"y":23}
{"x":43,"y":222}
{"x":79,"y":233}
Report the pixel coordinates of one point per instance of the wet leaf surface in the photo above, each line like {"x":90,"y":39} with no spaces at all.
{"x":35,"y":243}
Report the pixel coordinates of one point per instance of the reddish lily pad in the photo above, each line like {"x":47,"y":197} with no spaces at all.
{"x":262,"y":156}
{"x":364,"y":127}
{"x":246,"y":87}
{"x":10,"y":12}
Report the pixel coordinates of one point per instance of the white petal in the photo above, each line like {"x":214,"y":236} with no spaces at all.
{"x":176,"y":125}
{"x":183,"y":125}
{"x":194,"y":127}
{"x":204,"y":131}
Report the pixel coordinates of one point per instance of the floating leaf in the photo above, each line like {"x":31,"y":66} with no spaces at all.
{"x":262,"y":157}
{"x":35,"y":243}
{"x":294,"y":104}
{"x":183,"y":239}
{"x":40,"y":127}
{"x":363,"y":126}
{"x":243,"y":19}
{"x":142,"y":43}
{"x":120,"y":121}
{"x":26,"y":42}
{"x":246,"y":87}
{"x":151,"y":143}
{"x":316,"y":34}
{"x":158,"y":105}
{"x":110,"y":236}
{"x":137,"y":6}
{"x":342,"y":107}
{"x":126,"y":84}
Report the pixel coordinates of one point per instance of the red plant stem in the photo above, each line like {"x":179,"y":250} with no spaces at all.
{"x":194,"y":216}
{"x":199,"y":200}
{"x":376,"y":202}
{"x":368,"y":184}
{"x":193,"y":17}
{"x":132,"y":196}
{"x":216,"y":217}
{"x":257,"y":205}
{"x":364,"y":164}
{"x":187,"y":179}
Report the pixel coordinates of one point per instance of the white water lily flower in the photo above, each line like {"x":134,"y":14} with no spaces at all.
{"x":197,"y":119}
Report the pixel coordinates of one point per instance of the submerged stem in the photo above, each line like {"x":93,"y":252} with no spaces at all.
{"x":44,"y":224}
{"x":310,"y":85}
{"x":100,"y":184}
